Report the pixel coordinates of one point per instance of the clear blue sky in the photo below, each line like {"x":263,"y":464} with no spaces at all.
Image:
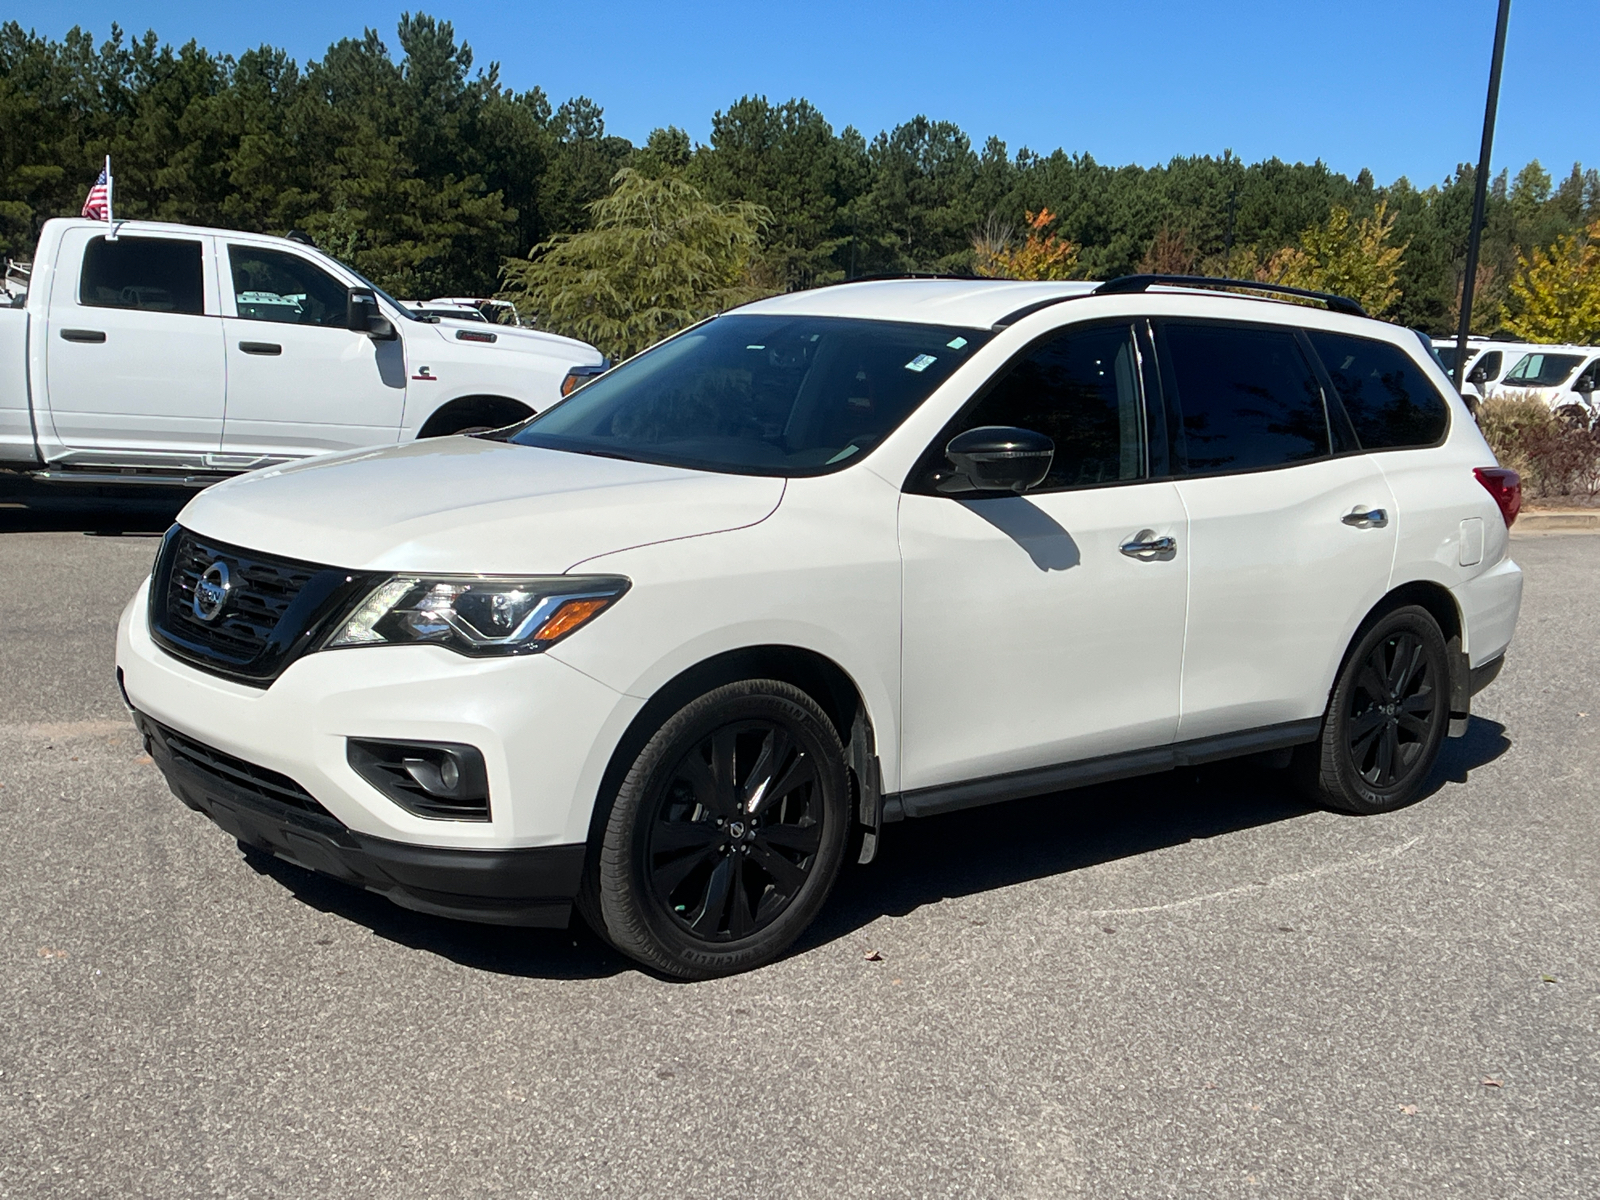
{"x":1394,"y":85}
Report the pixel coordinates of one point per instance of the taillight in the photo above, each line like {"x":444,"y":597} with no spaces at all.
{"x":1505,"y":485}
{"x":579,"y":376}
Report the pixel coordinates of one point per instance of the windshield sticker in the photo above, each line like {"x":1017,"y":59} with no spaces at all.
{"x":921,"y":362}
{"x":956,"y":343}
{"x":755,"y":347}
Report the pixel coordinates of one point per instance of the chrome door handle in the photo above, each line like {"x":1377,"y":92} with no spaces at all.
{"x":1146,"y":543}
{"x":1375,"y":518}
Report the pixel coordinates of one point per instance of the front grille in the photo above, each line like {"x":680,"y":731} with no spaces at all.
{"x":276,"y":608}
{"x":235,"y":772}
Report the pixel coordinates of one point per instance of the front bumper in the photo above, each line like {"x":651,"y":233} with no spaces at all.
{"x":518,"y":886}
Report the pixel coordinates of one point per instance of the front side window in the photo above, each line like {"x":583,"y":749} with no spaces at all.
{"x":1542,"y":370}
{"x":1589,"y":381}
{"x":269,"y":285}
{"x":1081,"y":390}
{"x":1244,"y":397}
{"x":1486,"y":368}
{"x":758,"y":395}
{"x":151,"y":274}
{"x":1389,"y":399}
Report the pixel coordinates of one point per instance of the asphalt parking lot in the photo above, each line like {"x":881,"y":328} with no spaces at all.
{"x":1190,"y":985}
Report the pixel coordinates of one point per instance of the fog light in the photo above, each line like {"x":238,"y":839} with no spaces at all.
{"x":444,"y":781}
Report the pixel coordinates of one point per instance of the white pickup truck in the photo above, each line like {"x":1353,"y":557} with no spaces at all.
{"x":171,"y":353}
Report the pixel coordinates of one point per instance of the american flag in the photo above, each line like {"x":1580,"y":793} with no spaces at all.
{"x":95,"y":206}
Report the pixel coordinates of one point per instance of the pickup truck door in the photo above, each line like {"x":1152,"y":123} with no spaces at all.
{"x":133,"y":357}
{"x":299,"y":381}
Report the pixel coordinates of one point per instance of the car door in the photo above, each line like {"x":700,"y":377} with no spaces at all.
{"x":1034,"y":633}
{"x":134,"y":361}
{"x":1289,"y":542}
{"x":299,"y":381}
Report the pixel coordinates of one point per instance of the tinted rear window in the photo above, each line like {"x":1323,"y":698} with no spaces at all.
{"x":1245,"y":396}
{"x":155,"y":274}
{"x":1390,"y":401}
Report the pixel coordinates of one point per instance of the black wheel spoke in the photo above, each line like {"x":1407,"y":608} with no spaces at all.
{"x":1362,"y":726}
{"x":1360,"y":746}
{"x":803,"y":839}
{"x":708,"y":920}
{"x":785,"y":874}
{"x":673,"y":836}
{"x":667,"y":877}
{"x":741,"y":921}
{"x":758,"y":789}
{"x":1422,"y":702}
{"x":724,"y":765}
{"x":1410,"y":657}
{"x":1415,"y":726}
{"x":1388,"y":740}
{"x":1370,"y":680}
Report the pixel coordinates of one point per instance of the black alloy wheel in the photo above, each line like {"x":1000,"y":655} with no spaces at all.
{"x":727,"y":834}
{"x":737,"y":833}
{"x":1392,"y":707}
{"x":1386,"y":719}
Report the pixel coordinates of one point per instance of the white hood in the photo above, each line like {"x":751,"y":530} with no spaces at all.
{"x":463,"y":504}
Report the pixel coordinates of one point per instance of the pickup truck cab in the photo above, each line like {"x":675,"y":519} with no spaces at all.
{"x":180,"y":354}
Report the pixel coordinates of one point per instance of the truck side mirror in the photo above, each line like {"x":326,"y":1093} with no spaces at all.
{"x":363,"y":316}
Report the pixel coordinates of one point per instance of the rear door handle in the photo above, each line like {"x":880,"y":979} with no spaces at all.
{"x":1145,"y":544}
{"x":1373,"y":518}
{"x":261,"y":347}
{"x":83,"y":335}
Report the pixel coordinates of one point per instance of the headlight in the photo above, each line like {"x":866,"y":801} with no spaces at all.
{"x":479,"y":615}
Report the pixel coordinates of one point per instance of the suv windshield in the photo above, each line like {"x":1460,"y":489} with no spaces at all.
{"x":1542,"y":370}
{"x":758,"y":395}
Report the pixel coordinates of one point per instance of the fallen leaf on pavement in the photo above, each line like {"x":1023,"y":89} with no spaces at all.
{"x":1410,"y":1110}
{"x":1491,"y":1081}
{"x":142,"y":760}
{"x":1547,"y":978}
{"x":872,"y":956}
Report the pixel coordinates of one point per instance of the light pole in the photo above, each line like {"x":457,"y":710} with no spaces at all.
{"x":1480,"y":192}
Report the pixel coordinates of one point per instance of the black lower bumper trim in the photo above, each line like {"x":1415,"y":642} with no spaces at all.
{"x":524,"y":886}
{"x":1484,"y":674}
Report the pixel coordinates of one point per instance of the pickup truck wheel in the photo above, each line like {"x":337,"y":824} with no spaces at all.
{"x":1386,"y":718}
{"x":727,"y":834}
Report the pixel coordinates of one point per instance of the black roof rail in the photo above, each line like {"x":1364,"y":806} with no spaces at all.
{"x":1140,"y":283}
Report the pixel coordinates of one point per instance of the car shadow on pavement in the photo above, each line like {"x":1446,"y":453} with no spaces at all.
{"x":925,"y":861}
{"x":921,"y":862}
{"x":29,"y":506}
{"x":573,"y":953}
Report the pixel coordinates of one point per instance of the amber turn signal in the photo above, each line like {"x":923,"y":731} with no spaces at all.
{"x":568,"y":617}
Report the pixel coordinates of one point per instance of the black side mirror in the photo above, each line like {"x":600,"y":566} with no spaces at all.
{"x":997,"y":458}
{"x":362,"y":315}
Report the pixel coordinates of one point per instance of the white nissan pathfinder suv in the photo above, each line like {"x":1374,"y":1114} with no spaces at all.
{"x":677,"y":647}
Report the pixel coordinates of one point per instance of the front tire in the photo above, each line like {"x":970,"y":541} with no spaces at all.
{"x":727,"y":834}
{"x":1386,"y":719}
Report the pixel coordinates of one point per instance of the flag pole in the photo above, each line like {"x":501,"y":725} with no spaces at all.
{"x":111,"y":229}
{"x":1480,"y":189}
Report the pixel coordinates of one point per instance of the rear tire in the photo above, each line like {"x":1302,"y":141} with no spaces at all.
{"x":1386,"y":718}
{"x":727,"y":834}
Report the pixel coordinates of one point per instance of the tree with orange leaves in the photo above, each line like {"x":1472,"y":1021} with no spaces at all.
{"x":1041,"y":256}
